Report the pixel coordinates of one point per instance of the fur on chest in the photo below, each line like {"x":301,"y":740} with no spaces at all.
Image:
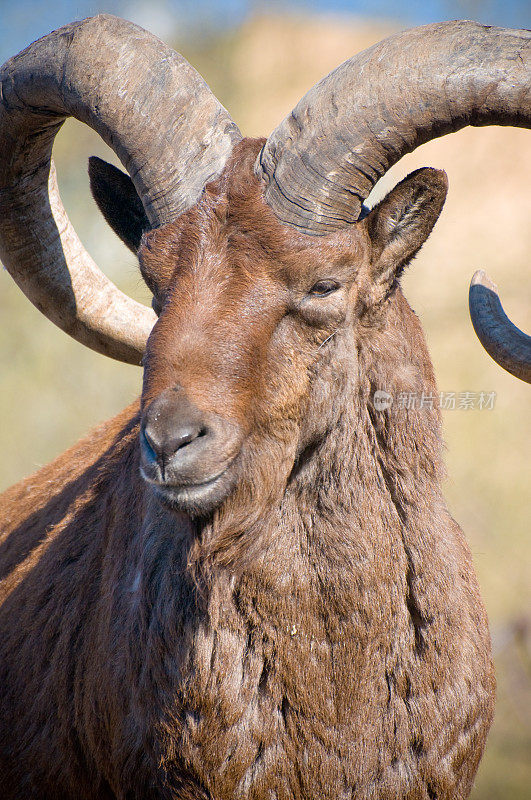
{"x":283,"y":697}
{"x":307,"y":688}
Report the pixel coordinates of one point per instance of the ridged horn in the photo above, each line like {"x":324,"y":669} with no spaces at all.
{"x":504,"y":342}
{"x":160,"y":118}
{"x":322,"y":161}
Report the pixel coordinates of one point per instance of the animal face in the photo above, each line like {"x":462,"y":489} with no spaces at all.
{"x":252,"y":315}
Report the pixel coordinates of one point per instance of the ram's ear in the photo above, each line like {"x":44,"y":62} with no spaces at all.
{"x":400,"y":224}
{"x":116,"y":197}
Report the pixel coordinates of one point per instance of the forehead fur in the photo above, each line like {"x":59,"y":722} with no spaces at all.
{"x":233,"y":220}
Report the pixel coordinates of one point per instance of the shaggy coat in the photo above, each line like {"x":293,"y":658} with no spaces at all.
{"x":315,"y":633}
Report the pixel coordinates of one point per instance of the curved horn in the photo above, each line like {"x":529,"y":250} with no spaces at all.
{"x":160,"y":118}
{"x":503,"y":341}
{"x":322,"y":161}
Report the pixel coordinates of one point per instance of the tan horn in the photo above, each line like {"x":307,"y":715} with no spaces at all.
{"x":160,"y":118}
{"x":322,"y":161}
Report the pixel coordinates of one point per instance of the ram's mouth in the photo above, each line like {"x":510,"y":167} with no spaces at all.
{"x":196,"y":499}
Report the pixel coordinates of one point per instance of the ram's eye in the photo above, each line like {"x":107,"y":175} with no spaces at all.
{"x":322,"y":288}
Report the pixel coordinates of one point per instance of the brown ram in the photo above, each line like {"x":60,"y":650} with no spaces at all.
{"x":248,"y":586}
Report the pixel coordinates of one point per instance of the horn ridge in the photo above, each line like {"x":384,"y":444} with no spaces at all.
{"x":359,"y":120}
{"x":160,"y":118}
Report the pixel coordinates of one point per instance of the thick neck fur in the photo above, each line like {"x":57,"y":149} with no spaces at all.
{"x":363,"y":490}
{"x":341,"y":562}
{"x":349,"y":464}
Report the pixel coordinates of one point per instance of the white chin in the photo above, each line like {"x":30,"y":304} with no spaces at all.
{"x":197,"y":500}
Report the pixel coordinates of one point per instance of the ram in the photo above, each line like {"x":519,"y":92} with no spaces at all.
{"x":247,"y":585}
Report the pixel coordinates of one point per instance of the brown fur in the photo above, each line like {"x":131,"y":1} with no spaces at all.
{"x":319,"y":633}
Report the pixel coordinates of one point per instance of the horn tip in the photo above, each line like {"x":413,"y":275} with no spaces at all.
{"x":480,"y":278}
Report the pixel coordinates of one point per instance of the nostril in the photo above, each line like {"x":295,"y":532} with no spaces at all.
{"x":165,"y":441}
{"x":182,"y":436}
{"x":171,"y":424}
{"x":153,"y":444}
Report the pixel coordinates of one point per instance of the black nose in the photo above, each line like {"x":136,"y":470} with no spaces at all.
{"x":172,"y":423}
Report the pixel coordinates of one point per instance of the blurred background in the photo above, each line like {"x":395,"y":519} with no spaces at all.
{"x":260,"y":58}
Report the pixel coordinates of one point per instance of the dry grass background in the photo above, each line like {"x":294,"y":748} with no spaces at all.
{"x":53,"y":390}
